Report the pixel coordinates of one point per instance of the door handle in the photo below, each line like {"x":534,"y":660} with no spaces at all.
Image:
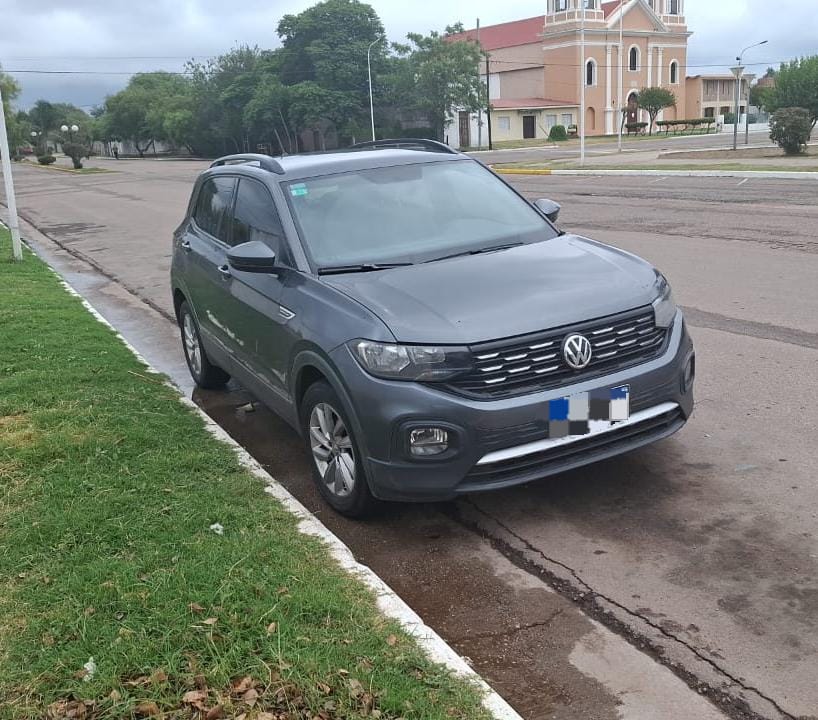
{"x":225,"y":271}
{"x":186,"y":245}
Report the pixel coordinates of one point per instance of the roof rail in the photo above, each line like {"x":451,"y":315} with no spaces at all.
{"x":265,"y":162}
{"x":407,"y":144}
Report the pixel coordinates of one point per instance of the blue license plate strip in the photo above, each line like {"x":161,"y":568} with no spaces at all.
{"x":588,"y":412}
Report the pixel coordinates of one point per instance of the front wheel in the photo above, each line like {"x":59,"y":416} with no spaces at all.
{"x":204,"y":373}
{"x":337,"y":466}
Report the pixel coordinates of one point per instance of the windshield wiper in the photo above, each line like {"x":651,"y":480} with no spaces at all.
{"x":363,"y":267}
{"x":479,"y":251}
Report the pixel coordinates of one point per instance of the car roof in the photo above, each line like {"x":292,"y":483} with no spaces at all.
{"x":295,"y":167}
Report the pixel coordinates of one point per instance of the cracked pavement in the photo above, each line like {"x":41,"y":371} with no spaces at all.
{"x":699,"y":552}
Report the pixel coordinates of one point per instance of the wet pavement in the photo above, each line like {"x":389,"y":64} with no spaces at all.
{"x":700,"y":551}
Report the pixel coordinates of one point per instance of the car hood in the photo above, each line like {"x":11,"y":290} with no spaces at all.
{"x":476,"y":298}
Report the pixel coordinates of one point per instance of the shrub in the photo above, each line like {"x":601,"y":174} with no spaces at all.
{"x":46,"y":159}
{"x":729,"y":118}
{"x":790,"y":128}
{"x":558,"y":132}
{"x":76,"y":152}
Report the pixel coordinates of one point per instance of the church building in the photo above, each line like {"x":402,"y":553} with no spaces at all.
{"x":535,"y":68}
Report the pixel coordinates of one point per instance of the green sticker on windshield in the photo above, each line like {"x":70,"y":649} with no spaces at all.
{"x":298,"y":190}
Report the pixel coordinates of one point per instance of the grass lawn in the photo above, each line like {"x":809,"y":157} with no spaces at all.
{"x":81,"y":171}
{"x":108,"y":489}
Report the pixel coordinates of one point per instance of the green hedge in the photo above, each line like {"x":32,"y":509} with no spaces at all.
{"x":690,"y":124}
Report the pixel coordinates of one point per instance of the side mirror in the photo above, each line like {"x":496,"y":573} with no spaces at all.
{"x":549,"y":208}
{"x":253,"y":256}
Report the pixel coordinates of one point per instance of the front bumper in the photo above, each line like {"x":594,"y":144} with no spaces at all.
{"x":480,"y":428}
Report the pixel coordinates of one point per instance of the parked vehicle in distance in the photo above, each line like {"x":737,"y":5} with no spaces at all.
{"x":427,"y":330}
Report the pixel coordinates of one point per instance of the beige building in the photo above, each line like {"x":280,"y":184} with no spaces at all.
{"x":714,"y":95}
{"x":535,"y":70}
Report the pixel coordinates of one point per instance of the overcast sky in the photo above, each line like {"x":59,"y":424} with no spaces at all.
{"x":126,"y":36}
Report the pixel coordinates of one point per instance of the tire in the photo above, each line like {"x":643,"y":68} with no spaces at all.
{"x":332,"y":449}
{"x":204,"y":373}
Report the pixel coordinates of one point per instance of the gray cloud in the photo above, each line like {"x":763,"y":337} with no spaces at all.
{"x":127,"y":36}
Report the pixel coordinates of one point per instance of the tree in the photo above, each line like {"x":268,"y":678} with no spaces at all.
{"x":324,"y":50}
{"x":796,"y":85}
{"x":790,"y":128}
{"x":16,"y":123}
{"x":44,"y":118}
{"x":653,"y":100}
{"x":441,"y":76}
{"x":138,"y":112}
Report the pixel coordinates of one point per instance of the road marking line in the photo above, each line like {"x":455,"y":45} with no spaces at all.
{"x":742,"y":182}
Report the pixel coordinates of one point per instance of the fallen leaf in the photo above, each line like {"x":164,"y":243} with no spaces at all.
{"x":215,"y":713}
{"x":241,"y":685}
{"x":89,"y":611}
{"x":283,"y":590}
{"x":138,"y":681}
{"x":324,"y":688}
{"x":200,"y":682}
{"x":159,"y":676}
{"x":271,"y":628}
{"x":81,"y":674}
{"x":250,"y":697}
{"x":355,"y":688}
{"x":392,"y":640}
{"x":194,"y":696}
{"x":147,"y":708}
{"x":210,"y":621}
{"x":265,"y":716}
{"x":114,"y":696}
{"x":195,"y":607}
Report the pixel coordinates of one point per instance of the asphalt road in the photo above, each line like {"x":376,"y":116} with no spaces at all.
{"x":701,"y":550}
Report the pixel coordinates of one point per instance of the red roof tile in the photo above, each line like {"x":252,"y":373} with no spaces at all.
{"x":524,"y":103}
{"x":609,"y":7}
{"x":517,"y":32}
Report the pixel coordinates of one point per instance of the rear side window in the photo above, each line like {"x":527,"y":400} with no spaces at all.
{"x":213,"y":207}
{"x":255,"y":216}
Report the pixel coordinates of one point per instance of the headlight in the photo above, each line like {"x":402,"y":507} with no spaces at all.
{"x":411,"y":362}
{"x":664,"y":307}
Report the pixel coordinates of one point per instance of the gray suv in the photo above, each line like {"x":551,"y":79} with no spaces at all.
{"x":426,"y":329}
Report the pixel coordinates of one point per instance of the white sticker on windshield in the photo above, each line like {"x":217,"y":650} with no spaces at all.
{"x":299,"y":190}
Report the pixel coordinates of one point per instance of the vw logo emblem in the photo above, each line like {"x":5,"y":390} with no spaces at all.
{"x":577,"y":351}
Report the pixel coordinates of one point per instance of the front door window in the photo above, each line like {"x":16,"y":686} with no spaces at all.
{"x":529,"y":126}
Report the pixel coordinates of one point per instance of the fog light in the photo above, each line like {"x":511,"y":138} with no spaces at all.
{"x":428,"y":441}
{"x":689,"y":374}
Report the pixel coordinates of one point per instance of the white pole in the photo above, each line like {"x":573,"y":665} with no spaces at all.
{"x":369,"y":71}
{"x":621,"y":58}
{"x":582,"y":86}
{"x":738,"y":75}
{"x":480,"y":110}
{"x":16,"y":247}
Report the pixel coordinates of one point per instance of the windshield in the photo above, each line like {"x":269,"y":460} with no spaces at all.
{"x":410,"y":213}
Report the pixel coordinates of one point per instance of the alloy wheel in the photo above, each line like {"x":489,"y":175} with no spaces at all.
{"x":332,"y":450}
{"x":192,"y":347}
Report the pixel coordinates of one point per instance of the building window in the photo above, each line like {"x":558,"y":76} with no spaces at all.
{"x":674,"y":72}
{"x":504,"y":122}
{"x":633,"y":59}
{"x":550,"y":121}
{"x":560,"y":5}
{"x":590,"y":72}
{"x":590,"y":4}
{"x":672,"y":7}
{"x":567,"y":119}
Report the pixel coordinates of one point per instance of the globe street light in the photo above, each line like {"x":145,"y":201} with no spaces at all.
{"x":738,"y":72}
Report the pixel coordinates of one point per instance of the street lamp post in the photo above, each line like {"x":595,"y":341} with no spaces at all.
{"x":369,"y":71}
{"x":738,"y":71}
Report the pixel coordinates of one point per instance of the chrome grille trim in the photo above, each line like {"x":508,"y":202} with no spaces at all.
{"x":514,"y":367}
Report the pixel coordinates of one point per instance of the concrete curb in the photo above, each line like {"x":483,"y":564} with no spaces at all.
{"x":388,"y":601}
{"x":783,"y":175}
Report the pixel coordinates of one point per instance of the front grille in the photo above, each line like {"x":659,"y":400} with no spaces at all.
{"x":579,"y":452}
{"x":535,"y":362}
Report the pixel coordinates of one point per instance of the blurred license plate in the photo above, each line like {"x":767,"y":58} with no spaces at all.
{"x":589,"y":412}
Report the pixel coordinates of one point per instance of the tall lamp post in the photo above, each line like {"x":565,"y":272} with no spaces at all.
{"x":369,"y":71}
{"x":738,"y":71}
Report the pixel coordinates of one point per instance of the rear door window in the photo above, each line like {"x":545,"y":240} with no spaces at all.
{"x":213,"y":207}
{"x":255,"y":217}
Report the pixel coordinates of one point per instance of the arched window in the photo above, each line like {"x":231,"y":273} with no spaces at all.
{"x":674,"y":72}
{"x":633,"y":58}
{"x":590,"y":72}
